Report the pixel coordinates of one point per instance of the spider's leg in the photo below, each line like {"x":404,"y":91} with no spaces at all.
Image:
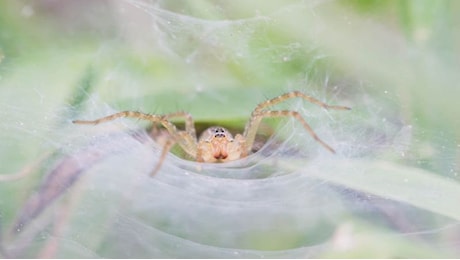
{"x":257,"y":118}
{"x":166,"y":148}
{"x":188,"y":143}
{"x":296,"y":94}
{"x":243,"y":146}
{"x":133,"y":114}
{"x":189,"y":123}
{"x":258,"y":113}
{"x":188,"y":139}
{"x":25,"y":171}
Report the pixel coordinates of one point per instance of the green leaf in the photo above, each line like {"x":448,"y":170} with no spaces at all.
{"x":410,"y":185}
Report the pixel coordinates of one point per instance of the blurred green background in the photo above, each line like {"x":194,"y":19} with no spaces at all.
{"x":395,"y":62}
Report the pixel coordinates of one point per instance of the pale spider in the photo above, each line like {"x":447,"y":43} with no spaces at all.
{"x":216,"y":144}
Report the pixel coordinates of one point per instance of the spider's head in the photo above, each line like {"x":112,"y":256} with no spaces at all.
{"x":217,"y":144}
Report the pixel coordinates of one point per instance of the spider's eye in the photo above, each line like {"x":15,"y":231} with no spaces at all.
{"x":219,"y":132}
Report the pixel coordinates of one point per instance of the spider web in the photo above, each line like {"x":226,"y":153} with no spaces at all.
{"x":96,"y":199}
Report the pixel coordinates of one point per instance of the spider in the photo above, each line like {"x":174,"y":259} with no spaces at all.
{"x":216,"y":144}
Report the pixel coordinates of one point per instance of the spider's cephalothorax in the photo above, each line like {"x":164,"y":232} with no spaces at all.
{"x":216,"y":144}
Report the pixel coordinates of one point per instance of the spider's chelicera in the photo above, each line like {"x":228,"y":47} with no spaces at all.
{"x":216,"y":144}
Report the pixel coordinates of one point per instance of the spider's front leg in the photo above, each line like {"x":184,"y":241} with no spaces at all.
{"x":288,"y":113}
{"x":166,"y":148}
{"x":189,"y":123}
{"x":259,"y":113}
{"x":186,"y":139}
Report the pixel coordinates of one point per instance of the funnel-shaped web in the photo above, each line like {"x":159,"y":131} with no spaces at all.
{"x":292,"y":198}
